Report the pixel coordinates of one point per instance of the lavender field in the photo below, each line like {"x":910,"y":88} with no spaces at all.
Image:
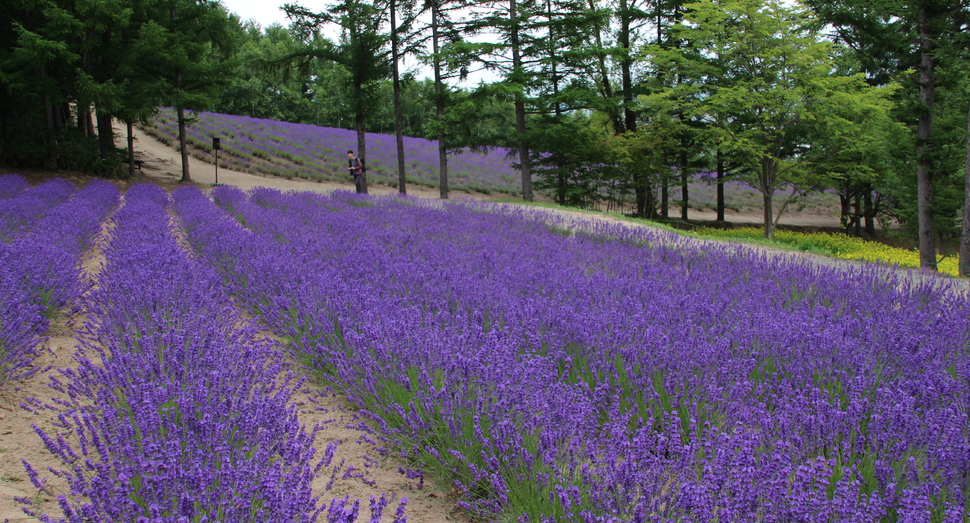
{"x":548,"y":371}
{"x":307,"y":151}
{"x":262,"y":146}
{"x":615,"y":374}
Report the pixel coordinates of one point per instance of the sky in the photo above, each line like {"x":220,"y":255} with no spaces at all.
{"x":264,"y":12}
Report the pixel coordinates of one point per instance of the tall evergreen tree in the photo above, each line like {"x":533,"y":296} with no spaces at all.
{"x":360,"y":50}
{"x":889,"y":38}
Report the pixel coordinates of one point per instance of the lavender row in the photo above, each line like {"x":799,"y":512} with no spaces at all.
{"x":12,"y":185}
{"x":310,"y":151}
{"x":20,"y":211}
{"x":177,"y":410}
{"x":617,"y":375}
{"x":42,"y":270}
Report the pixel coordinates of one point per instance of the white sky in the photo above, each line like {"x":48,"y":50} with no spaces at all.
{"x":265,"y":12}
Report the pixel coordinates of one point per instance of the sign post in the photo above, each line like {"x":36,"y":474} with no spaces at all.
{"x":216,"y":145}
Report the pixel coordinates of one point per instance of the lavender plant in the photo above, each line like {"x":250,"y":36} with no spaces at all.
{"x":177,"y":411}
{"x":42,"y":270}
{"x":20,"y":211}
{"x":11,"y":185}
{"x":610,"y":374}
{"x":308,"y":151}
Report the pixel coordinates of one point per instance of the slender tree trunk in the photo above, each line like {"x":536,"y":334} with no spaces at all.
{"x":361,"y":133}
{"x":84,"y":122}
{"x":398,"y":117}
{"x":49,"y":123}
{"x":845,"y":198}
{"x":439,"y":105}
{"x":553,"y":58}
{"x":965,"y":234}
{"x":3,"y":124}
{"x":518,"y":74}
{"x":131,"y":151}
{"x":683,"y":178}
{"x":868,"y":211}
{"x":603,"y":80}
{"x":924,"y":161}
{"x":626,"y":85}
{"x":767,"y":186}
{"x":106,"y":135}
{"x":664,"y":193}
{"x":59,"y":119}
{"x":720,"y":186}
{"x":183,"y":144}
{"x":858,"y":214}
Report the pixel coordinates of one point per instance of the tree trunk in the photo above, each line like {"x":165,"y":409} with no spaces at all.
{"x":518,"y":77}
{"x":858,"y":214}
{"x":131,"y":151}
{"x":626,"y":85}
{"x":924,"y":162}
{"x":49,"y":123}
{"x":439,"y":105}
{"x":664,"y":192}
{"x":845,"y":210}
{"x":3,"y":124}
{"x":84,"y":122}
{"x":398,"y":117}
{"x":720,"y":186}
{"x":361,"y":135}
{"x":553,"y":58}
{"x":106,"y":136}
{"x":183,"y":144}
{"x":766,"y":185}
{"x":965,"y":233}
{"x":768,"y":198}
{"x":683,"y":178}
{"x":868,"y":211}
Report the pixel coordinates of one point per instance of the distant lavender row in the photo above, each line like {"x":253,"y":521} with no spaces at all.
{"x":11,"y":185}
{"x":42,"y":268}
{"x":618,"y":375}
{"x":23,"y":208}
{"x":309,"y":151}
{"x":189,"y":415}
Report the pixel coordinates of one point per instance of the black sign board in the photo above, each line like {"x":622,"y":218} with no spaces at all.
{"x":215,"y":144}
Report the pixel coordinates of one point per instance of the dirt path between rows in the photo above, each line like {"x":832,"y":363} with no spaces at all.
{"x":361,"y":468}
{"x":18,"y":439}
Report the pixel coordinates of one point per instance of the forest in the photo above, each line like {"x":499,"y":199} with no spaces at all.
{"x":865,"y":98}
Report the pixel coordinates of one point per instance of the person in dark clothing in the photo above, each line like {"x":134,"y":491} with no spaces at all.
{"x":356,"y":168}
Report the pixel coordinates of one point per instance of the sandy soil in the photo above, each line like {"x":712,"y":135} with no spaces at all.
{"x":18,"y":440}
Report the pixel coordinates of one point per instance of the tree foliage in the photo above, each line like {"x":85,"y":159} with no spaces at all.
{"x":767,"y":84}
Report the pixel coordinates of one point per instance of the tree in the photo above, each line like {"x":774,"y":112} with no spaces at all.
{"x":360,"y":51}
{"x":188,"y":43}
{"x":965,"y":237}
{"x":891,"y":37}
{"x":443,"y":32}
{"x":763,"y":80}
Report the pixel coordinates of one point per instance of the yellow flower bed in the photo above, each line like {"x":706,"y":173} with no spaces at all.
{"x":840,"y":245}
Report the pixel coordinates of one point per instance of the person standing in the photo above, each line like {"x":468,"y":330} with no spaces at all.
{"x":356,"y":168}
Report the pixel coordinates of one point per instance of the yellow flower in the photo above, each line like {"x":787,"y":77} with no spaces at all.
{"x":840,"y":245}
